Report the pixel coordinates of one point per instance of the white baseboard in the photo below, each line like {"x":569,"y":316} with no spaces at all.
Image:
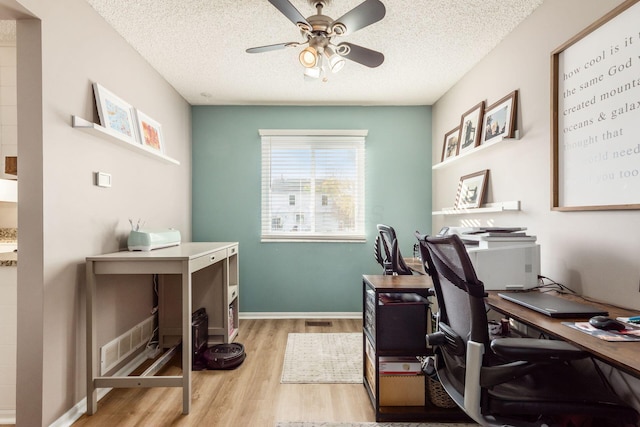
{"x":7,"y":416}
{"x":301,"y":315}
{"x":80,"y":408}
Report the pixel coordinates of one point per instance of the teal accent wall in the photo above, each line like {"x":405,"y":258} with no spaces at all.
{"x":307,"y":277}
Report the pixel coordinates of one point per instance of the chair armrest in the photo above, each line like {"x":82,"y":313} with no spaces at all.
{"x":536,"y":350}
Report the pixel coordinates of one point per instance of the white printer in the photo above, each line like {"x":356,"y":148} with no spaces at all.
{"x":504,"y":258}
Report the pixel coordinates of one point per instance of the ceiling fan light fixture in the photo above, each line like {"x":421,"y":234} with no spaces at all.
{"x":309,"y":57}
{"x":336,"y":62}
{"x":312,"y":73}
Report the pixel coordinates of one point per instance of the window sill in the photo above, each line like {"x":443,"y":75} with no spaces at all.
{"x":311,"y":239}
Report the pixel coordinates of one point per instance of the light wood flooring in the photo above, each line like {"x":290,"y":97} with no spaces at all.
{"x":250,"y":395}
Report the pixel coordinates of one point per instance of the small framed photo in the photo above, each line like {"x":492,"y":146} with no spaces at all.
{"x":500,"y":118}
{"x":472,"y":189}
{"x":470,"y":126}
{"x":150,"y":132}
{"x":450,"y":148}
{"x":115,"y":114}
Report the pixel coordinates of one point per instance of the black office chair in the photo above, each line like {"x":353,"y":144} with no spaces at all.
{"x":387,"y":253}
{"x":508,"y":381}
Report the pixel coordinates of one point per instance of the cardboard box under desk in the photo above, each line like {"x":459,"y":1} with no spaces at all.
{"x":396,"y":390}
{"x":402,"y":390}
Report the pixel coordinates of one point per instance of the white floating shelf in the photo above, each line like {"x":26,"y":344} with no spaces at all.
{"x":101,"y":131}
{"x":487,"y":208}
{"x":475,"y":150}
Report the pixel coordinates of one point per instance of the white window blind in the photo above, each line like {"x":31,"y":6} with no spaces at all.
{"x":323,"y":172}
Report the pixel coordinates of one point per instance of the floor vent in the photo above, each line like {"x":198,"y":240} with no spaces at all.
{"x":114,"y":352}
{"x":324,"y":323}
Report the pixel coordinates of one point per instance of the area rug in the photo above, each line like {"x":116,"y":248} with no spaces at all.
{"x":312,"y":424}
{"x":323,"y":358}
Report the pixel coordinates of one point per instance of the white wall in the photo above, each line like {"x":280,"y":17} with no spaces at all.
{"x":594,"y":253}
{"x":63,"y":217}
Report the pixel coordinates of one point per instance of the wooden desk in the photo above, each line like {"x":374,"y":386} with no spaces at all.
{"x":182,"y":261}
{"x":622,"y":355}
{"x":417,"y":283}
{"x":415,"y":264}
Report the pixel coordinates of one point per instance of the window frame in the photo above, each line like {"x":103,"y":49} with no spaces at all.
{"x":327,"y":138}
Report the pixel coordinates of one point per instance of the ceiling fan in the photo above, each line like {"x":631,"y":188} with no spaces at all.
{"x":322,"y":54}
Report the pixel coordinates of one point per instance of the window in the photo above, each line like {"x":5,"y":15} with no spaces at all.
{"x":301,"y":172}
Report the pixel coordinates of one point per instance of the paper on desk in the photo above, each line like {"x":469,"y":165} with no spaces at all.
{"x":630,"y":334}
{"x":626,"y":320}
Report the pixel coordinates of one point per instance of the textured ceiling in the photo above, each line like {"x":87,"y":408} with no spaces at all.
{"x":7,"y":33}
{"x":199,"y":47}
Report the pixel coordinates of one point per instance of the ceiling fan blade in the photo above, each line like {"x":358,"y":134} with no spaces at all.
{"x":271,"y":47}
{"x":290,"y":11}
{"x":366,"y":13}
{"x":361,"y":55}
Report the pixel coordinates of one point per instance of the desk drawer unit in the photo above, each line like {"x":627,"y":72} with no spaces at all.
{"x":233,"y":292}
{"x":397,"y":325}
{"x":394,"y":312}
{"x":232,"y":250}
{"x":209,"y":259}
{"x":402,"y":325}
{"x":370,"y":314}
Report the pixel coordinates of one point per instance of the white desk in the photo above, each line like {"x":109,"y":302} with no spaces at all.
{"x":180,"y":260}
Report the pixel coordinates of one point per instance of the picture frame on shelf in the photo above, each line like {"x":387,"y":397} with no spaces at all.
{"x":115,"y":113}
{"x":470,"y":127}
{"x":500,"y":119}
{"x":451,"y":144}
{"x":472,"y":189}
{"x":150,"y":132}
